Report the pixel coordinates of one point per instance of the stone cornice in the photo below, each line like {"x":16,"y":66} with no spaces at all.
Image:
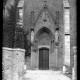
{"x":13,"y":49}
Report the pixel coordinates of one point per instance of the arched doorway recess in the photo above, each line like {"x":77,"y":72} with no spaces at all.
{"x":44,"y":38}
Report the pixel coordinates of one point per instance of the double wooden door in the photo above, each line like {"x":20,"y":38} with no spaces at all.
{"x":44,"y":59}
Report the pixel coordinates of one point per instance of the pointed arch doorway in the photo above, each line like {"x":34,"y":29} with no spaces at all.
{"x":44,"y":58}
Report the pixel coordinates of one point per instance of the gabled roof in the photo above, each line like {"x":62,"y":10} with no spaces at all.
{"x":44,"y":9}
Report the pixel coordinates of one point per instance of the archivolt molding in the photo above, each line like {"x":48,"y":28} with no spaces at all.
{"x":44,"y":19}
{"x":51,"y":31}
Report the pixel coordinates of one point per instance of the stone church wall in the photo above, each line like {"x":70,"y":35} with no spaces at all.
{"x":36,"y":6}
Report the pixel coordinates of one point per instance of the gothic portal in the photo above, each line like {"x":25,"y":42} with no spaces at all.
{"x":43,"y":50}
{"x":50,"y":33}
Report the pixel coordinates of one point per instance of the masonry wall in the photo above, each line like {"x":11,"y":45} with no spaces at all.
{"x":73,"y":27}
{"x":13,"y":63}
{"x":35,"y":5}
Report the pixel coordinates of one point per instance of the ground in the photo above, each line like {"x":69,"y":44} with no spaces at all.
{"x":44,"y":75}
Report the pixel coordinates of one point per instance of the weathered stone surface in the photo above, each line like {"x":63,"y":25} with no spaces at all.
{"x":54,"y":5}
{"x":36,"y":6}
{"x":13,"y":63}
{"x":7,"y":63}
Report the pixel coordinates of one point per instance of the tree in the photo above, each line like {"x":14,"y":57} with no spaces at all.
{"x":9,"y":24}
{"x":10,"y":39}
{"x":4,"y":3}
{"x":22,"y":41}
{"x":27,"y":43}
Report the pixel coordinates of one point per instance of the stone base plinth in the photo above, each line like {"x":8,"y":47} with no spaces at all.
{"x":64,"y":69}
{"x":73,"y":74}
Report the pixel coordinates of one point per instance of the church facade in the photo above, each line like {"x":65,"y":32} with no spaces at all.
{"x":45,"y":42}
{"x":51,"y":33}
{"x":52,"y":27}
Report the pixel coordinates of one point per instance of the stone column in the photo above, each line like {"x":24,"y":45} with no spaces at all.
{"x":66,"y":35}
{"x":32,"y":39}
{"x":57,"y":37}
{"x":56,"y":46}
{"x":20,"y":13}
{"x":56,"y":50}
{"x":32,"y":35}
{"x":74,"y":69}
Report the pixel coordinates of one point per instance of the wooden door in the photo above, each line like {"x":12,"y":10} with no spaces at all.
{"x":44,"y":59}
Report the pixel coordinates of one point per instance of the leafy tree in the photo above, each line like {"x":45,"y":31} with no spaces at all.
{"x":27,"y":43}
{"x":13,"y":35}
{"x":4,"y":3}
{"x":22,"y":41}
{"x":9,"y":24}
